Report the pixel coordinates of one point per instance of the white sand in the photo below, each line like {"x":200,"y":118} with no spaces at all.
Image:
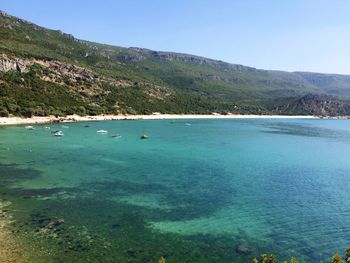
{"x":72,"y":118}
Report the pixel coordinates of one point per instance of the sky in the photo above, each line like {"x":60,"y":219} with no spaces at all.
{"x":291,"y":35}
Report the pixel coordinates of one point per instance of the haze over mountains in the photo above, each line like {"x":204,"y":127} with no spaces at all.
{"x":45,"y":72}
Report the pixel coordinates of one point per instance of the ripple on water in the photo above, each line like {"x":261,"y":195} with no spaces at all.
{"x":208,"y":187}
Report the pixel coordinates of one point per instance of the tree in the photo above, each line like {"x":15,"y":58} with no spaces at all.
{"x":4,"y":112}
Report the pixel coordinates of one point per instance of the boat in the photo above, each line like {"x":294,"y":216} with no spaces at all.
{"x":65,"y":126}
{"x":116,"y":136}
{"x":28,"y":127}
{"x":58,"y":134}
{"x":144,"y":136}
{"x":102,"y":131}
{"x":47,"y":127}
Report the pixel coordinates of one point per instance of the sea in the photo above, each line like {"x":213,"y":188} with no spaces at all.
{"x":196,"y":190}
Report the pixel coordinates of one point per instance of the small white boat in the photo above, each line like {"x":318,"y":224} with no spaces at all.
{"x":144,"y":136}
{"x":29,"y":127}
{"x":65,"y":126}
{"x":47,"y":127}
{"x":58,"y":134}
{"x":102,"y":131}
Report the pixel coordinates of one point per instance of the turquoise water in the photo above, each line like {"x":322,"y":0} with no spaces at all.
{"x":193,"y":192}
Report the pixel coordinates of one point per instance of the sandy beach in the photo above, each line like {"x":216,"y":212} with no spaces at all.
{"x":74,"y":118}
{"x":8,"y":247}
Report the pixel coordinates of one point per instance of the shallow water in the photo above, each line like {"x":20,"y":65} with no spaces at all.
{"x":190,"y":193}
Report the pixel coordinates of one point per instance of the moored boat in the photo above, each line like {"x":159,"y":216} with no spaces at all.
{"x":144,"y":136}
{"x":58,"y":134}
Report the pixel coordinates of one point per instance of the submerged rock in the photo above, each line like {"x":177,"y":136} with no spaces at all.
{"x":55,"y":223}
{"x":116,"y":225}
{"x":243,"y":250}
{"x":131,"y":252}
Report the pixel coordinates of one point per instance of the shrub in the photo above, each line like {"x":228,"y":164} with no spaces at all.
{"x":4,"y":113}
{"x":27,"y":112}
{"x":337,"y":258}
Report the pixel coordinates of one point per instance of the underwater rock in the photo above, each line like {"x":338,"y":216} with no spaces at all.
{"x":116,"y":225}
{"x":9,"y":164}
{"x":55,"y":223}
{"x":131,"y":252}
{"x":40,"y":220}
{"x":243,"y":250}
{"x":45,"y":222}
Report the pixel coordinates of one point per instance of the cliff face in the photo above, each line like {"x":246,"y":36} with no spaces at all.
{"x":55,"y":71}
{"x":15,"y":64}
{"x":137,"y":54}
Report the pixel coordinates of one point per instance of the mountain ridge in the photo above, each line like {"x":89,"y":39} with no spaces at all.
{"x":167,"y":82}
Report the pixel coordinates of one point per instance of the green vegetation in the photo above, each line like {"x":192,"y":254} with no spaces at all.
{"x":270,"y":258}
{"x":32,"y":96}
{"x":89,"y":78}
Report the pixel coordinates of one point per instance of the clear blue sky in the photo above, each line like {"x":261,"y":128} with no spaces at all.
{"x":307,"y":35}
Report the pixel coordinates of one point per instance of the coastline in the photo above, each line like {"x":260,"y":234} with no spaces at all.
{"x":76,"y":118}
{"x":13,"y":250}
{"x":9,"y":248}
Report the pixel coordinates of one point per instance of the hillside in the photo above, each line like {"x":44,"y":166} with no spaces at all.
{"x":45,"y":72}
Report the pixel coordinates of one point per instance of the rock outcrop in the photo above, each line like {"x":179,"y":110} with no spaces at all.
{"x":15,"y":64}
{"x":137,"y":54}
{"x":8,"y":63}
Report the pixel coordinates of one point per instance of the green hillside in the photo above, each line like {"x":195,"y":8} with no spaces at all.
{"x":45,"y":72}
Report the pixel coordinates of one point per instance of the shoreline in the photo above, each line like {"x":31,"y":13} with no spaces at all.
{"x":9,"y":248}
{"x":76,"y":118}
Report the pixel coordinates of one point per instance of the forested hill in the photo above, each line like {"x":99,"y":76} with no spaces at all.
{"x":45,"y":72}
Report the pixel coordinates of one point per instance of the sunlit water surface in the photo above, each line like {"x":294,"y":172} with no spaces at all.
{"x":193,"y":192}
